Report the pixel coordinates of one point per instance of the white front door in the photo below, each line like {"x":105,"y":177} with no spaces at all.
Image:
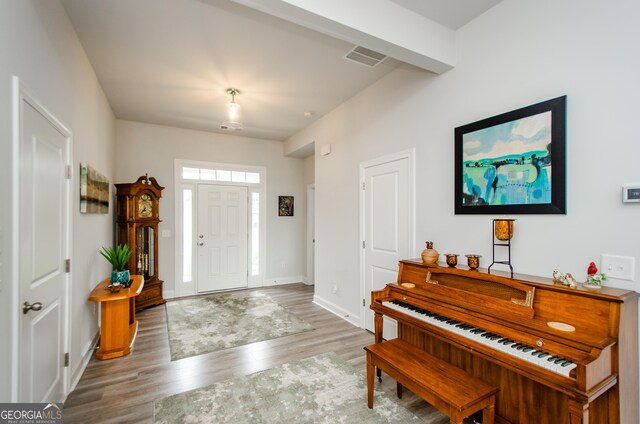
{"x":221,"y":237}
{"x":386,"y":227}
{"x":44,"y":248}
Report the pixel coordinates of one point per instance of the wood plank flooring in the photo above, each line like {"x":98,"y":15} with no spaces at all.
{"x":123,"y":390}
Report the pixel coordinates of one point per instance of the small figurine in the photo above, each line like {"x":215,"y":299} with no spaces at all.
{"x":564,"y":279}
{"x":558,"y":277}
{"x":592,"y":270}
{"x":570,"y":281}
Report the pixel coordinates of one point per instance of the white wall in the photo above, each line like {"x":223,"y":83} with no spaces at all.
{"x":518,"y":53}
{"x":152,"y":149}
{"x":308,"y":179}
{"x":39,"y":45}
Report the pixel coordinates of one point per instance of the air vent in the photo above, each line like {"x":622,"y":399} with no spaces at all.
{"x":365,"y":56}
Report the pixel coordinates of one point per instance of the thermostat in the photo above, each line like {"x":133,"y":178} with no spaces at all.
{"x":631,"y":193}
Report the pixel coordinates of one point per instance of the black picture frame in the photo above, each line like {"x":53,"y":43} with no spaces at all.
{"x":285,"y":205}
{"x":505,"y":184}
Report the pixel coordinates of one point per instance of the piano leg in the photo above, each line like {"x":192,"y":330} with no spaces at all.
{"x":399,"y":390}
{"x":488,"y":413}
{"x":378,"y":323}
{"x":578,"y":412}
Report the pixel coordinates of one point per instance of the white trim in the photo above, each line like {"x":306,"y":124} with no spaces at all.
{"x":337,"y":310}
{"x":20,"y":94}
{"x":409,"y":154}
{"x":82,"y":366}
{"x":189,"y":289}
{"x":311,"y":213}
{"x":284,"y":280}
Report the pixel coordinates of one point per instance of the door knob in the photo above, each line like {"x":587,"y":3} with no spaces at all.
{"x":34,"y":307}
{"x":201,"y":244}
{"x":201,"y":236}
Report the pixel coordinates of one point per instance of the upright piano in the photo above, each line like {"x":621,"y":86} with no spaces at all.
{"x":559,"y":354}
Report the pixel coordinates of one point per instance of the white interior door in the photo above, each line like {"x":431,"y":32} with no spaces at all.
{"x":222,"y":237}
{"x":44,"y":235}
{"x":387,"y":228}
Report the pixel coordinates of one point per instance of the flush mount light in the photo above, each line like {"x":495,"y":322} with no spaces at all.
{"x":234,"y":116}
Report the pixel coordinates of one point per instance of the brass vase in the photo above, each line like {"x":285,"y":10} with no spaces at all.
{"x":473,"y":261}
{"x":430,"y":255}
{"x":504,"y":229}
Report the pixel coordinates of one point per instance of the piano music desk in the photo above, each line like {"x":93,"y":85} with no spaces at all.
{"x":448,"y":388}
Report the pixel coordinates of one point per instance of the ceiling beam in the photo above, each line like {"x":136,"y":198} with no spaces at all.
{"x":379,"y":25}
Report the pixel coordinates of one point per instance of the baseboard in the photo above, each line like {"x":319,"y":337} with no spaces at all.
{"x":352,"y":319}
{"x":86,"y":357}
{"x":307,"y":281}
{"x":169,"y":294}
{"x":276,"y":281}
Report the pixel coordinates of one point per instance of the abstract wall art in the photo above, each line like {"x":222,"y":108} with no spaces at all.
{"x":94,"y":191}
{"x":513,"y":163}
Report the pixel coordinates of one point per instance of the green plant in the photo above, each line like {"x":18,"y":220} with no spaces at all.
{"x":118,"y":257}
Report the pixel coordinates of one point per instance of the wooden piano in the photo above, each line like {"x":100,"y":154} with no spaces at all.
{"x":559,"y":355}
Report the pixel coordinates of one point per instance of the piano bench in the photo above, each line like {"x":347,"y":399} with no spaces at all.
{"x":448,"y":388}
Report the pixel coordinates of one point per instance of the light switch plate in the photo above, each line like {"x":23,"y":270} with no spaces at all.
{"x":165,"y":233}
{"x":620,"y":267}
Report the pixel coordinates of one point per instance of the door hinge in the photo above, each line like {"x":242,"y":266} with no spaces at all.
{"x":363,"y":244}
{"x":363,"y":186}
{"x":67,"y":265}
{"x":66,"y":359}
{"x":68,"y":172}
{"x":362,"y":302}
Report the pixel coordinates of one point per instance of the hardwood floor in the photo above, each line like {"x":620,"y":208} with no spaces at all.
{"x":123,"y":390}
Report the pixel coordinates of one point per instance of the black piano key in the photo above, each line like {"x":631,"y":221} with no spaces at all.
{"x":553,"y":358}
{"x":521,"y":347}
{"x":557,"y":361}
{"x":567,"y":363}
{"x":527,"y":349}
{"x":543,"y":355}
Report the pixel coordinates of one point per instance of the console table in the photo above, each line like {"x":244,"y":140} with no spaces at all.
{"x":118,"y":325}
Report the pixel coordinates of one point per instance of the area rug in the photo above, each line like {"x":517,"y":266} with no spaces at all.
{"x":210,"y":323}
{"x":321,"y":389}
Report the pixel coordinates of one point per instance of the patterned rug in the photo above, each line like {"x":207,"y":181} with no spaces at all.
{"x":209,"y":323}
{"x":320,"y":389}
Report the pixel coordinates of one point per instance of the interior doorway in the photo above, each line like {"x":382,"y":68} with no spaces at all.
{"x":311,"y":233}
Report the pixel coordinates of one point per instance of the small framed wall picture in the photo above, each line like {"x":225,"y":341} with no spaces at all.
{"x":285,"y":205}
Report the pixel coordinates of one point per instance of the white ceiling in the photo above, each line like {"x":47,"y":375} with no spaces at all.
{"x":169,"y":62}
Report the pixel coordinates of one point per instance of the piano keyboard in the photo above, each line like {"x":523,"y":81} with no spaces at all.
{"x":530,"y":354}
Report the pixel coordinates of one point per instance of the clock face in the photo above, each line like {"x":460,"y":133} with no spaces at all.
{"x":145,"y":206}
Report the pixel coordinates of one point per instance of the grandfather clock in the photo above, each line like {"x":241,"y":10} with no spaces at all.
{"x":137,"y":220}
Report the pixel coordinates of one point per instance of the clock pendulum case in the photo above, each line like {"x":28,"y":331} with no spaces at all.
{"x":137,"y":219}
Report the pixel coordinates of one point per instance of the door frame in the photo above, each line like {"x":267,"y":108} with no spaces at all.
{"x":20,"y":94}
{"x":311,"y":234}
{"x":408,"y":154}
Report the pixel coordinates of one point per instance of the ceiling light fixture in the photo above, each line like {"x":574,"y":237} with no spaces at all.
{"x":234,"y":116}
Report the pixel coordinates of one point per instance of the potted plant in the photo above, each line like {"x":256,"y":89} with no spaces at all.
{"x":118,"y":257}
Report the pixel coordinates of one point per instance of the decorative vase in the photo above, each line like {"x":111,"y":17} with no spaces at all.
{"x":121,"y":277}
{"x":473,"y":261}
{"x":504,"y":229}
{"x":430,"y":255}
{"x":452,"y":259}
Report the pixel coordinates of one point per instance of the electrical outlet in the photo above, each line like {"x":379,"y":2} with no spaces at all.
{"x":334,"y":289}
{"x":620,"y":267}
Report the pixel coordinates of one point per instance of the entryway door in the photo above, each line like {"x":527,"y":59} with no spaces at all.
{"x":43,"y":249}
{"x":222,"y":235}
{"x":387,"y":222}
